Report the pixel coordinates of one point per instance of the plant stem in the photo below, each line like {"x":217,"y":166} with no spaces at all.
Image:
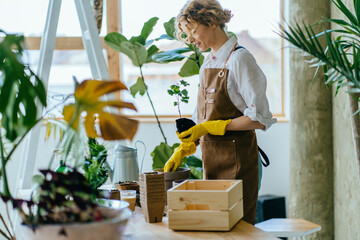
{"x":152,"y":105}
{"x":6,"y":227}
{"x":3,"y":170}
{"x":11,"y":225}
{"x":178,"y":100}
{"x":4,"y":234}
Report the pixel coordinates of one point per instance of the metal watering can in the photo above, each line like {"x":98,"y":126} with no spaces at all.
{"x":126,"y":164}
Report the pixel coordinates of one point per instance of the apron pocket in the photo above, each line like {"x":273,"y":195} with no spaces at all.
{"x":219,"y":158}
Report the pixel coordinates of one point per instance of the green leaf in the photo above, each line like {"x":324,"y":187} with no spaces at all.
{"x":357,"y":9}
{"x":196,"y":173}
{"x":164,"y":36}
{"x":137,"y":39}
{"x":190,"y":67}
{"x":170,"y":28}
{"x":341,"y":6}
{"x":150,"y":52}
{"x":162,"y":153}
{"x":148,"y":28}
{"x":135,"y":51}
{"x":171,"y":56}
{"x":194,"y":161}
{"x":231,"y":34}
{"x":139,"y":87}
{"x":114,"y":40}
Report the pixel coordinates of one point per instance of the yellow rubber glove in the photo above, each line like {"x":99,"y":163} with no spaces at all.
{"x":184,"y":150}
{"x":216,"y":127}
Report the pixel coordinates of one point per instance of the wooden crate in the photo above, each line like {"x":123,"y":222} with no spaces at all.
{"x":205,"y":205}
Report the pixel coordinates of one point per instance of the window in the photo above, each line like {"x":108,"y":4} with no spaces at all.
{"x":253,"y":23}
{"x":69,"y":58}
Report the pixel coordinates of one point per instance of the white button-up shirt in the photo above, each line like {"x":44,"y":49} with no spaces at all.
{"x":246,"y":83}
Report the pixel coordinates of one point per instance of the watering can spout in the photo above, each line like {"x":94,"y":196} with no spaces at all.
{"x":126,"y":166}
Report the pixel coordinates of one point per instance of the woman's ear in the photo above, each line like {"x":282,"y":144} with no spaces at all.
{"x":213,"y":26}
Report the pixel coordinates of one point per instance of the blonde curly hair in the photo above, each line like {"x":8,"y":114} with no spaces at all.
{"x":206,"y":12}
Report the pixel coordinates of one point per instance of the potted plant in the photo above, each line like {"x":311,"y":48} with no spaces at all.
{"x":94,"y":167}
{"x":142,"y":51}
{"x":182,"y":124}
{"x":339,"y":59}
{"x":65,"y":202}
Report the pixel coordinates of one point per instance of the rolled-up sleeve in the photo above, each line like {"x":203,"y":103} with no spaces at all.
{"x":250,"y":82}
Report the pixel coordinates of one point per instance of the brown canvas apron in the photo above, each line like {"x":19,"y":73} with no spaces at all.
{"x":234,"y":155}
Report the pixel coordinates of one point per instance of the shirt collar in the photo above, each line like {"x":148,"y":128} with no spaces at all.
{"x":225,"y":49}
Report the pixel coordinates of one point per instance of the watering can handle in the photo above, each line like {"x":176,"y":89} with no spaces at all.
{"x":142,"y":160}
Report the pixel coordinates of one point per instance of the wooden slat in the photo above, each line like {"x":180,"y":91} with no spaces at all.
{"x":217,"y":194}
{"x":205,"y":220}
{"x":113,"y":25}
{"x":61,"y":43}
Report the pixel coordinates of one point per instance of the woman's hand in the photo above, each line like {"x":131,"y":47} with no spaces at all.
{"x":216,"y":127}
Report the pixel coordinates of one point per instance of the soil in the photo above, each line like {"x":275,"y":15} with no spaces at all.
{"x":183,"y":124}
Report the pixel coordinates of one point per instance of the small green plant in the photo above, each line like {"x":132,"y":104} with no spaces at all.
{"x":180,"y":94}
{"x":95,"y":164}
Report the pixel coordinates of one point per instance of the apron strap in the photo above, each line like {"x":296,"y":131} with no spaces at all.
{"x":265,"y":157}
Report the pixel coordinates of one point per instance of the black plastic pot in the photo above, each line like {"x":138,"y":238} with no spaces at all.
{"x":183,"y":124}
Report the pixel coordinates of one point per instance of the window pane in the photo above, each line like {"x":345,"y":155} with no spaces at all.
{"x":29,"y":19}
{"x":65,"y":65}
{"x":253,"y":23}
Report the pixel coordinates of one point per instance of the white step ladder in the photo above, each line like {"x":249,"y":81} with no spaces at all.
{"x":98,"y":68}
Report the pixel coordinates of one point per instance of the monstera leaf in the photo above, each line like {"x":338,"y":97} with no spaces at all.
{"x":88,"y":99}
{"x":20,"y":89}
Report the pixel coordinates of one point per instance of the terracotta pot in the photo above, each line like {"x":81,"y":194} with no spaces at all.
{"x":178,"y":175}
{"x":109,"y":229}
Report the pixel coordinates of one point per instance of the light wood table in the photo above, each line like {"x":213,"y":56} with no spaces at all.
{"x":137,"y":228}
{"x":289,"y":227}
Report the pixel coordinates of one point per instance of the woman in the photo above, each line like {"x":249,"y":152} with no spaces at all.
{"x":231,"y":102}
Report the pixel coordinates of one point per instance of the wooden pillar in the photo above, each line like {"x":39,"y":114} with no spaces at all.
{"x":311,"y":150}
{"x":113,"y":25}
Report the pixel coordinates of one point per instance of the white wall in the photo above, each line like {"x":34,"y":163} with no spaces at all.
{"x":275,"y":142}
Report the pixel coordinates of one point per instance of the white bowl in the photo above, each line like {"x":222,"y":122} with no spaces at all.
{"x":108,"y":229}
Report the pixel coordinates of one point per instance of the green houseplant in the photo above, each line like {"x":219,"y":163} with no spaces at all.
{"x":61,"y":197}
{"x":340,"y":58}
{"x":142,"y":51}
{"x":95,"y":164}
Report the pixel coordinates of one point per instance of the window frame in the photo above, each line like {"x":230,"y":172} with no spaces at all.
{"x":114,"y":20}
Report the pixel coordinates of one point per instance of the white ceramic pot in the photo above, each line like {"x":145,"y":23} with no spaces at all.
{"x":109,"y":229}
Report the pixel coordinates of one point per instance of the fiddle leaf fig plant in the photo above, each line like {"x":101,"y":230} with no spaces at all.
{"x":194,"y":61}
{"x":139,"y":51}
